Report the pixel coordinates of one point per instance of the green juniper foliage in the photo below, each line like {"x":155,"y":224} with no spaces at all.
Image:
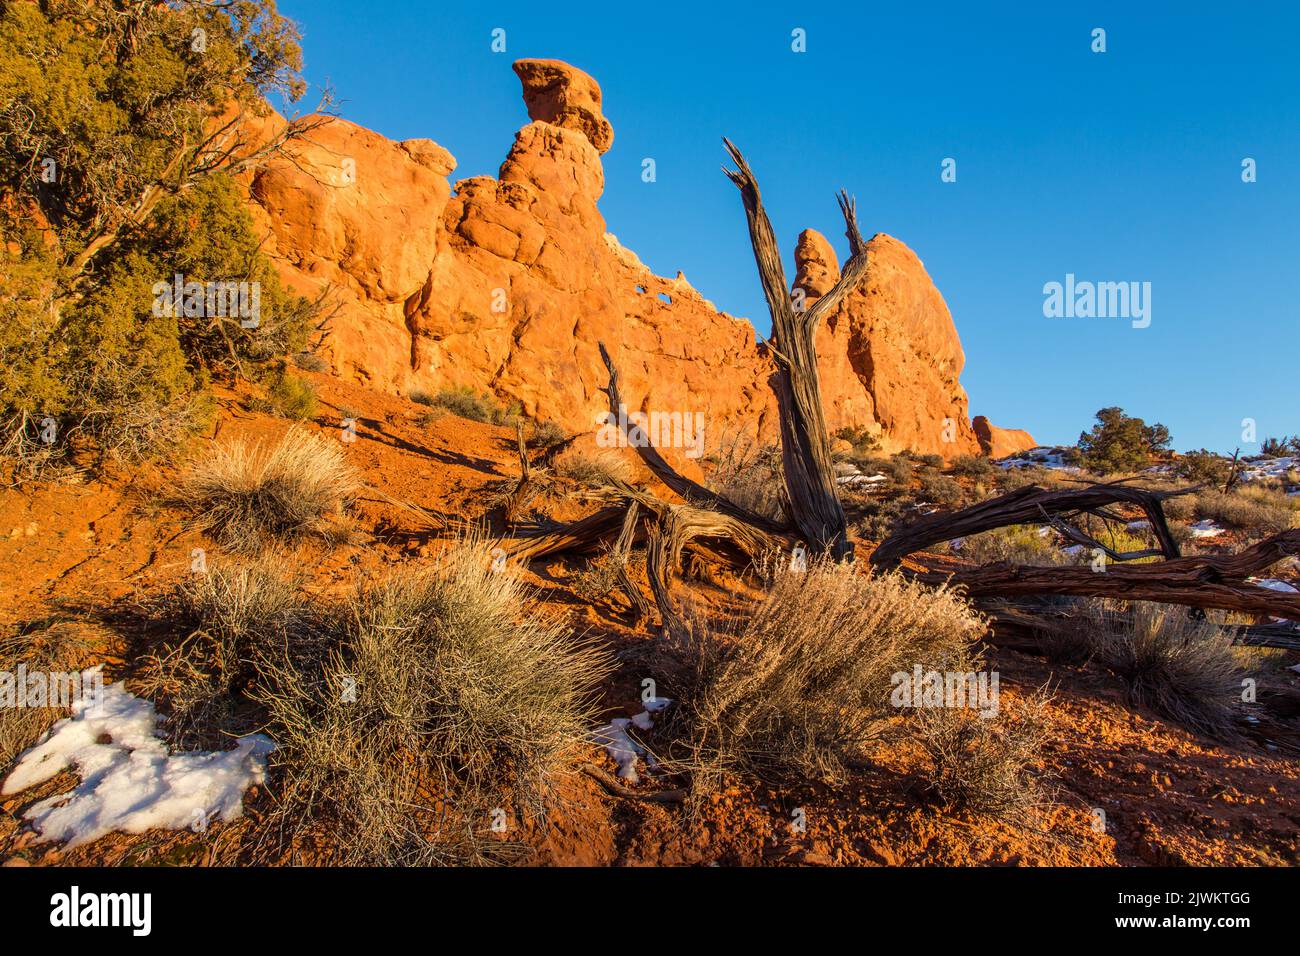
{"x":1119,"y":442}
{"x":117,"y":173}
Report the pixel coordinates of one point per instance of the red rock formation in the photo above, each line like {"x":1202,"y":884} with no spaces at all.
{"x":562,"y":95}
{"x":889,"y":355}
{"x":1001,"y":442}
{"x":506,"y":285}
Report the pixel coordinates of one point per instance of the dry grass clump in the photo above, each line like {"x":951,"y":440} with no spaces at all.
{"x":596,"y":467}
{"x":442,"y":699}
{"x":545,"y":434}
{"x":61,"y":648}
{"x":1251,"y":507}
{"x":806,"y":682}
{"x":984,"y":765}
{"x":229,"y":617}
{"x":466,"y":403}
{"x":248,"y":496}
{"x":599,"y":578}
{"x":311,"y":362}
{"x":1182,"y":508}
{"x":1170,"y":662}
{"x":1013,"y":479}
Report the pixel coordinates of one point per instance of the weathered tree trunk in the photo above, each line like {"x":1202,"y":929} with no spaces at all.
{"x":805,"y":446}
{"x":620,"y":555}
{"x":521,"y":495}
{"x":691,"y":491}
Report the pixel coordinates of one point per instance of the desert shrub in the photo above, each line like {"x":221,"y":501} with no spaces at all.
{"x":462,"y":700}
{"x":226,"y":618}
{"x":116,"y":98}
{"x":1120,"y":442}
{"x":752,"y":476}
{"x":929,"y":460}
{"x":1203,"y":466}
{"x":466,"y":403}
{"x":1017,"y":544}
{"x":592,"y":466}
{"x":1170,"y":662}
{"x":1013,"y":479}
{"x":1250,"y":507}
{"x":61,"y":648}
{"x":898,"y":468}
{"x":801,"y":687}
{"x":250,"y":496}
{"x":141,"y":426}
{"x":1282,"y":447}
{"x":941,"y":491}
{"x":972,"y":466}
{"x":546,"y":434}
{"x":291,"y":396}
{"x":1180,"y":508}
{"x":864,"y":442}
{"x":984,"y":765}
{"x":310,"y":362}
{"x":878,"y":517}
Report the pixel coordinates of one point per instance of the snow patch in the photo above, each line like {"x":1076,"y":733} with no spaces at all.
{"x":622,"y":748}
{"x":1260,"y":468}
{"x":1043,"y":457}
{"x":856,"y":479}
{"x":129,"y":780}
{"x":1205,"y":529}
{"x":1274,"y":584}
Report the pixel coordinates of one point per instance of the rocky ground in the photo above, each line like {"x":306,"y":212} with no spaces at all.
{"x":87,"y":551}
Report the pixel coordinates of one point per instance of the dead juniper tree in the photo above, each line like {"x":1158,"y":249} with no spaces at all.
{"x":805,"y":447}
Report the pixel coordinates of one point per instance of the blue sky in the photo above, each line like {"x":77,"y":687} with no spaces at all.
{"x":1115,"y":166}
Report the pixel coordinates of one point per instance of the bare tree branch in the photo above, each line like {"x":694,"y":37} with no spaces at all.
{"x":805,"y":446}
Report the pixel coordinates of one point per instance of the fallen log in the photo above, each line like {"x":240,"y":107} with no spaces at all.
{"x":1028,"y":505}
{"x":1204,"y":581}
{"x":1284,"y":636}
{"x":1021,"y":628}
{"x":585,"y":535}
